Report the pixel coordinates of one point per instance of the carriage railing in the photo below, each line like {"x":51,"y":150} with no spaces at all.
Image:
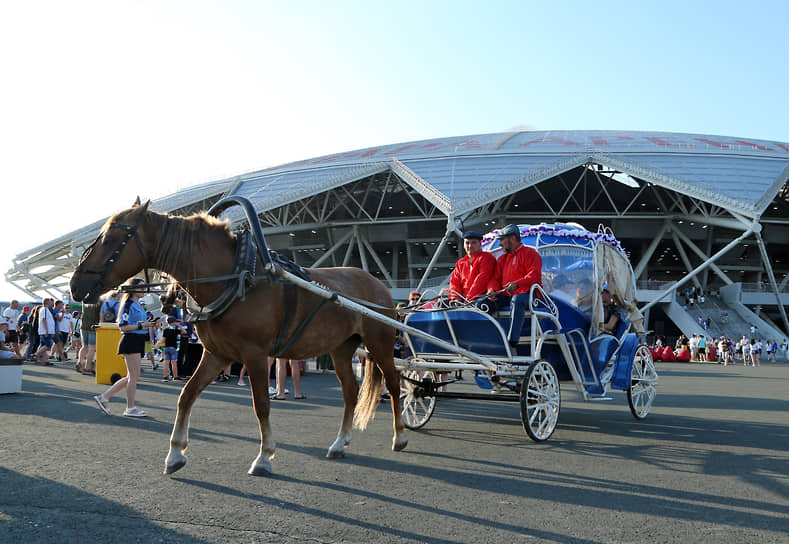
{"x":360,"y":308}
{"x":540,"y":307}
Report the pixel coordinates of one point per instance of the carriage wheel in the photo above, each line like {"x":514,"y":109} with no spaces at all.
{"x":416,"y":405}
{"x":540,"y":401}
{"x":643,"y":383}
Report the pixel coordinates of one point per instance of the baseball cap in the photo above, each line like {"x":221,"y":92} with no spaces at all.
{"x":509,"y":230}
{"x":472,"y":234}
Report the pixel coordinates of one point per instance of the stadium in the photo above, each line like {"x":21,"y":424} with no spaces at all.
{"x":691,"y":210}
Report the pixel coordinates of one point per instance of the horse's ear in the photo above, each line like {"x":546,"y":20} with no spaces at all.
{"x":137,"y":204}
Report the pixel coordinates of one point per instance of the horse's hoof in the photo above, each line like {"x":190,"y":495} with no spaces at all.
{"x":170,"y":468}
{"x":260,"y":467}
{"x":258,"y":471}
{"x":331,"y":454}
{"x":399,"y":445}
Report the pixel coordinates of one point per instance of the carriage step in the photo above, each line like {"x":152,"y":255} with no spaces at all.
{"x":601,"y":398}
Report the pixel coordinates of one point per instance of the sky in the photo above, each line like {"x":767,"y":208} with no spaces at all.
{"x":102,"y":101}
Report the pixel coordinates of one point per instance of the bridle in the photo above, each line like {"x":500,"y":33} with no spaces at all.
{"x":131,"y":232}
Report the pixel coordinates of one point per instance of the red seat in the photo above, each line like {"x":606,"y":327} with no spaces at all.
{"x":683,"y":356}
{"x":667,"y":355}
{"x":656,"y":354}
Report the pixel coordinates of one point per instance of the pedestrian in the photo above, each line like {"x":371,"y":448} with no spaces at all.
{"x":47,"y":329}
{"x":11,"y":315}
{"x":76,"y":335}
{"x":89,"y":320}
{"x":6,"y":352}
{"x":772,"y":348}
{"x":756,"y":351}
{"x":295,"y":373}
{"x":133,"y":324}
{"x":169,"y":343}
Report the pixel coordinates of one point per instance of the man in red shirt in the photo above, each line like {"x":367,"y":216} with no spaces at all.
{"x":517,"y":270}
{"x":472,"y":273}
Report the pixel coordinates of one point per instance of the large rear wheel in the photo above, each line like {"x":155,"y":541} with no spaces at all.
{"x":540,"y":401}
{"x":416,"y":399}
{"x":643,"y":383}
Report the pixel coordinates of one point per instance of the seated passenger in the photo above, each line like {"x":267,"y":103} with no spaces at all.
{"x":561,"y":289}
{"x":583,"y":296}
{"x":611,"y":312}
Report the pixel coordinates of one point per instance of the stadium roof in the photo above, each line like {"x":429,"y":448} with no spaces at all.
{"x":460,"y":174}
{"x":742,"y":175}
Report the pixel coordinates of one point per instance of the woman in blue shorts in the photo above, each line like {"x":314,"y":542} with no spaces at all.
{"x":133,"y":324}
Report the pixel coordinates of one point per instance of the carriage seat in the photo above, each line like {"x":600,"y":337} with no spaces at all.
{"x":603,"y":346}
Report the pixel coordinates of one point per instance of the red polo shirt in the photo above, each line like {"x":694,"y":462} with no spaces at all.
{"x":523,"y":267}
{"x":471,"y":277}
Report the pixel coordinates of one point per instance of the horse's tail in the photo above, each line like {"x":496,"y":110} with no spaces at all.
{"x":369,"y":395}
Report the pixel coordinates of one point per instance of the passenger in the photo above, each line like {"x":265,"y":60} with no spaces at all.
{"x":611,"y":312}
{"x":583,"y":295}
{"x":561,"y":289}
{"x":473,"y":272}
{"x":516,"y":271}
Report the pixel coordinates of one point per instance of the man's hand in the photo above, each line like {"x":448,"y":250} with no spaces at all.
{"x":511,"y":287}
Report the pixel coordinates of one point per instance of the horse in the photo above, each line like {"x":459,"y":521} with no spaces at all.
{"x":201,"y":247}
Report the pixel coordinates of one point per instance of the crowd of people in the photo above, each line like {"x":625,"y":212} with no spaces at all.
{"x":50,"y":333}
{"x":748,"y":351}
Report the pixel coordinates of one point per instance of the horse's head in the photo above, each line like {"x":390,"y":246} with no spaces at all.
{"x":109,"y":260}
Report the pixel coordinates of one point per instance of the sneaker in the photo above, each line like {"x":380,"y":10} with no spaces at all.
{"x":243,"y":384}
{"x":165,"y":379}
{"x":272,"y":390}
{"x":102,"y":402}
{"x":134,"y":412}
{"x":155,"y":366}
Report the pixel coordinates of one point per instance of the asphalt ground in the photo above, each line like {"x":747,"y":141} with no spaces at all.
{"x":709,"y":464}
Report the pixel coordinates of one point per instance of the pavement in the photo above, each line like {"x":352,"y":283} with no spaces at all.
{"x":709,"y":464}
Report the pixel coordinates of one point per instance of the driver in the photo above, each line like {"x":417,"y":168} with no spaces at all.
{"x":516,"y":271}
{"x":473,"y":272}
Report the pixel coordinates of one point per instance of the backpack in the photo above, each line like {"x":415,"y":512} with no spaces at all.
{"x":110,"y":315}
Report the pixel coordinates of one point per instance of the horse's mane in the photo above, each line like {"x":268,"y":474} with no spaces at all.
{"x":184,"y":234}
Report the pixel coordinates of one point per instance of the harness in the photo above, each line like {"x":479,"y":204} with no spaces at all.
{"x":243,"y":277}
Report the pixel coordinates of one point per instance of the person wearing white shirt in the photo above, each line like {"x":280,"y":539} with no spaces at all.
{"x":11,"y":315}
{"x":47,"y":328}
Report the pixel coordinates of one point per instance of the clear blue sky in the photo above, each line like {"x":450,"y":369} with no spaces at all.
{"x":102,"y":101}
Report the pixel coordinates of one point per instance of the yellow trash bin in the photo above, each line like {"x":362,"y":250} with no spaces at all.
{"x":108,"y":362}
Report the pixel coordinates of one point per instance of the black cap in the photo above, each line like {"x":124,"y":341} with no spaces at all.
{"x":509,"y":230}
{"x":472,"y":234}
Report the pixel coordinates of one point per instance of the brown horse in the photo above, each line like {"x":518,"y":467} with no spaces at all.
{"x":202,"y":246}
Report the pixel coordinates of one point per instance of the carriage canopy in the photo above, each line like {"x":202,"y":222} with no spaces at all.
{"x":577,"y":264}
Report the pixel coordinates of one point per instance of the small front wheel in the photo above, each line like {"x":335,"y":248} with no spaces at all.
{"x":643,"y":383}
{"x":540,"y":401}
{"x":417,"y":406}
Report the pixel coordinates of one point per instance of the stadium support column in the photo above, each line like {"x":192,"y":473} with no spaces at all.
{"x":434,"y":258}
{"x":771,"y":275}
{"x":702,"y":266}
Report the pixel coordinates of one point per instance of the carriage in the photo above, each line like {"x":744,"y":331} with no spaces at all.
{"x":562,"y":338}
{"x":335,"y":309}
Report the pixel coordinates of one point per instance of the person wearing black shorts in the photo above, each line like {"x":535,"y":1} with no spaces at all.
{"x":133,"y":324}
